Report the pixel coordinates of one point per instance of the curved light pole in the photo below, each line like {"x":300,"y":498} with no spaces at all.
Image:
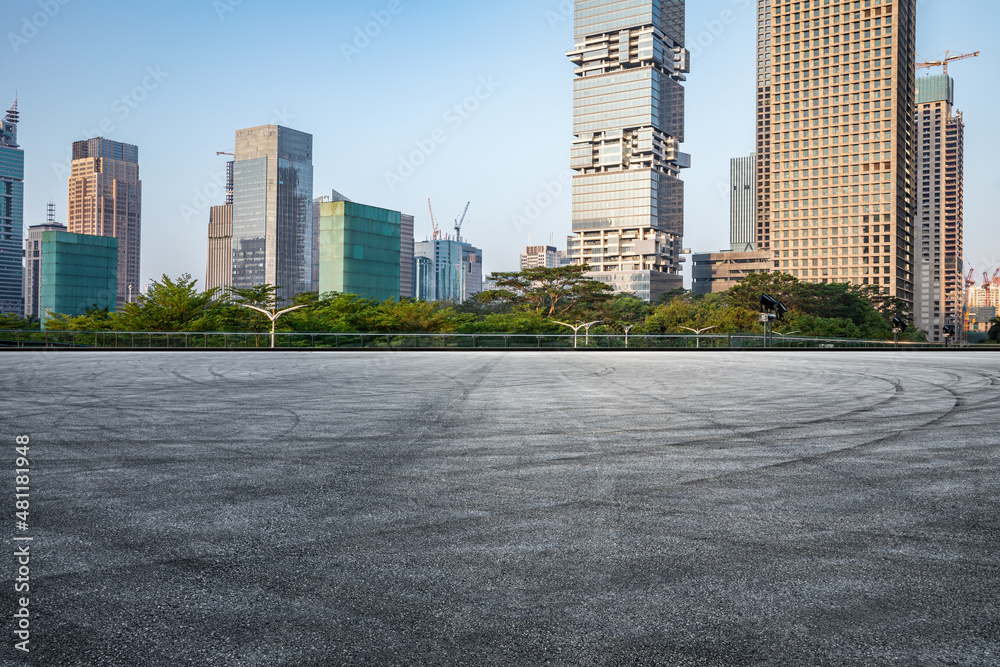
{"x":627,"y":328}
{"x":573,"y":327}
{"x":272,"y":315}
{"x":698,"y":332}
{"x":587,"y":326}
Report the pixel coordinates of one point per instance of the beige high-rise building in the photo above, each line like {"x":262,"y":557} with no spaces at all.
{"x":105,"y":199}
{"x":835,"y":140}
{"x":940,"y":207}
{"x":220,"y":247}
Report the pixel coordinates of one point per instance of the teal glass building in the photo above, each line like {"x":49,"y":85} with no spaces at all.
{"x":79,"y":272}
{"x":11,"y":216}
{"x":359,"y":250}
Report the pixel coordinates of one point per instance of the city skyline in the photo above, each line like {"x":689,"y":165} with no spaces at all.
{"x":452,"y":135}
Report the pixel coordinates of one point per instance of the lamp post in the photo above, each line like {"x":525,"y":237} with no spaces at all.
{"x":627,"y":328}
{"x":574,"y":328}
{"x":698,"y":332}
{"x":587,"y":326}
{"x":272,"y":315}
{"x":129,"y":294}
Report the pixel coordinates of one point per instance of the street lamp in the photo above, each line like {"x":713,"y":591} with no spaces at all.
{"x":627,"y":328}
{"x":573,"y":327}
{"x":587,"y":326}
{"x":273,"y":316}
{"x":129,"y":294}
{"x":698,"y":332}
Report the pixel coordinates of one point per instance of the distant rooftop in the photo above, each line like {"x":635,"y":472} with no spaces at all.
{"x":937,"y":88}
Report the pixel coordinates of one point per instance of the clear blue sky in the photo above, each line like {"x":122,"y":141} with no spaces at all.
{"x":221,"y":65}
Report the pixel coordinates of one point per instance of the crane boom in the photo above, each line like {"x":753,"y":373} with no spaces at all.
{"x":458,"y":223}
{"x":947,"y":59}
{"x":434,"y":224}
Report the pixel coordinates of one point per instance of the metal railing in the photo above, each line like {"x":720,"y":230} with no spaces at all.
{"x":152,"y":340}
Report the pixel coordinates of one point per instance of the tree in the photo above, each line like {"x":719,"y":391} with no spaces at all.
{"x":168,"y":306}
{"x":994,"y":333}
{"x":550,"y":291}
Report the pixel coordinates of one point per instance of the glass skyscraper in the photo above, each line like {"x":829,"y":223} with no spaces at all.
{"x":272,"y":210}
{"x":628,"y":122}
{"x":11,"y":216}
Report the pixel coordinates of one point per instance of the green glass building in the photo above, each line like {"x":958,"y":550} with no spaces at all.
{"x":359,"y":250}
{"x":79,"y":272}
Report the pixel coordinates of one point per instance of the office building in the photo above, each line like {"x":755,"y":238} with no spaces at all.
{"x":940,"y":207}
{"x":628,"y":123}
{"x":423,"y":277}
{"x":33,"y":261}
{"x":11,"y":215}
{"x":456,"y":273}
{"x":539,"y":257}
{"x":406,"y":257}
{"x":721,"y":271}
{"x":743,"y":204}
{"x":220,"y":248}
{"x":80,"y":272}
{"x":359,"y":250}
{"x":835,"y":153}
{"x":105,"y":199}
{"x":273,"y":236}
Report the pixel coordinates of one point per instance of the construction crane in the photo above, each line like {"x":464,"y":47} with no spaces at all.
{"x":987,"y":281}
{"x":947,"y":59}
{"x":970,"y":280}
{"x":458,"y":223}
{"x":434,"y":224}
{"x":224,"y":153}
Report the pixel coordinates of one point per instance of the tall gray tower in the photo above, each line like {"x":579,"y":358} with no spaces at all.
{"x":272,"y":210}
{"x":628,"y":122}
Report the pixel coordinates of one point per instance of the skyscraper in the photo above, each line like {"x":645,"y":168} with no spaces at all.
{"x":219,"y":273}
{"x":105,"y":199}
{"x":33,"y":261}
{"x":940,"y":206}
{"x":272,"y":210}
{"x":742,"y":204}
{"x":456,"y":270}
{"x":539,"y":257}
{"x":406,"y":257}
{"x":835,"y":153}
{"x":11,"y":215}
{"x":628,"y":122}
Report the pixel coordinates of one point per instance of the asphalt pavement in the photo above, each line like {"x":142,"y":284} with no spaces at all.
{"x":297,"y":509}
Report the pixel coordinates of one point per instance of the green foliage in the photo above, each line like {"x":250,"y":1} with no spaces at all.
{"x":554,"y":291}
{"x":994,"y":334}
{"x":526,"y":302}
{"x":11,"y":322}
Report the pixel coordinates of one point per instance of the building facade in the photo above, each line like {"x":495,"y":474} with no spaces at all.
{"x":272,"y":210}
{"x":940,"y":207}
{"x":105,"y":199}
{"x":720,"y":271}
{"x":628,"y":123}
{"x":11,"y":215}
{"x":835,"y":151}
{"x":33,"y":262}
{"x":456,"y":270}
{"x":423,"y":277}
{"x":359,"y":250}
{"x":79,"y":273}
{"x":539,"y":257}
{"x":220,"y":248}
{"x":406,"y":257}
{"x":743,"y":203}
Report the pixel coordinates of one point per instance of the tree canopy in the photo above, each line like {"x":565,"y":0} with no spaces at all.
{"x":530,"y":301}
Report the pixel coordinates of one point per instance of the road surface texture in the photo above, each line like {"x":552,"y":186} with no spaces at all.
{"x":298,"y":509}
